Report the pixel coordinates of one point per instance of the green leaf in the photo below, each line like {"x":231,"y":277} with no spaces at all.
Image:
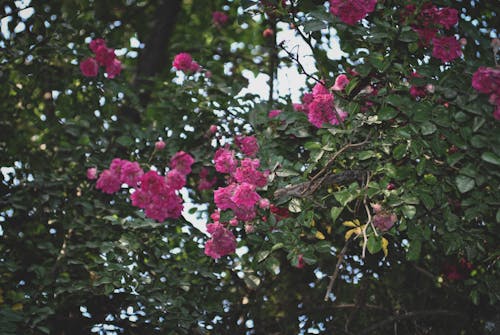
{"x":399,"y":152}
{"x":413,"y":253}
{"x":373,"y":244}
{"x":387,"y":113}
{"x":490,"y":158}
{"x":464,"y":183}
{"x":252,"y":281}
{"x":314,"y":25}
{"x":335,"y":212}
{"x":409,"y":211}
{"x":126,"y":141}
{"x":428,"y":128}
{"x":262,"y":255}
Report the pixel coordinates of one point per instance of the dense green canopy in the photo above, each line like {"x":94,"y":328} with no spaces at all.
{"x":384,"y":222}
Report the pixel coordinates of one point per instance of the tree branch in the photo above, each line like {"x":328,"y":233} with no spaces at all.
{"x":340,"y":258}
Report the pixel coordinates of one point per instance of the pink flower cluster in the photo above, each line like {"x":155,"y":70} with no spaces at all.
{"x":222,"y":243}
{"x":104,"y":56}
{"x":240,"y":195}
{"x":351,"y":11}
{"x":156,"y":194}
{"x":383,"y":220}
{"x":219,"y":19}
{"x":184,"y":62}
{"x":487,"y":80}
{"x":319,"y":106}
{"x":427,"y":24}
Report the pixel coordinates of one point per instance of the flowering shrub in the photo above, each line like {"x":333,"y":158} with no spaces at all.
{"x":104,"y":56}
{"x":362,"y":202}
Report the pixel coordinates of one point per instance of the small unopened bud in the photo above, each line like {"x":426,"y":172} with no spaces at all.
{"x":249,"y":228}
{"x":268,"y":32}
{"x":430,"y":88}
{"x":160,"y":145}
{"x":463,"y":41}
{"x":264,"y":203}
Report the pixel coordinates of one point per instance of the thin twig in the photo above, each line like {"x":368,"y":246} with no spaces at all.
{"x":340,"y":258}
{"x":335,"y":155}
{"x":295,"y":58}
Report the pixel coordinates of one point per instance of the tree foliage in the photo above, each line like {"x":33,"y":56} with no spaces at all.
{"x":386,"y":220}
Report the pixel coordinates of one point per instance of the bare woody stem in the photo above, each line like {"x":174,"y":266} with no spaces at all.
{"x":340,"y":258}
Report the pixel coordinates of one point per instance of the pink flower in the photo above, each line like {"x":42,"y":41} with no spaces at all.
{"x":108,"y":182}
{"x":182,"y":162}
{"x":116,"y":166}
{"x":225,"y":162}
{"x":104,"y":55}
{"x":205,"y":183}
{"x":417,"y":91}
{"x":319,"y":88}
{"x":377,"y":208}
{"x":222,"y":243}
{"x":175,"y":179}
{"x":152,"y":182}
{"x":486,"y":80}
{"x":184,"y":62}
{"x":274,"y":113}
{"x":96,"y":43}
{"x":219,"y":18}
{"x":213,"y":129}
{"x":223,"y":197}
{"x":91,"y":173}
{"x":131,"y":173}
{"x":300,"y":262}
{"x":233,"y":222}
{"x":447,"y":17}
{"x":321,"y":110}
{"x":160,"y":145}
{"x":114,"y":68}
{"x":496,"y":113}
{"x":340,"y":83}
{"x":248,"y":145}
{"x":425,"y":34}
{"x":351,"y":11}
{"x":384,"y":221}
{"x":140,"y":198}
{"x":264,"y":203}
{"x":245,"y":195}
{"x":248,"y":173}
{"x":446,"y":48}
{"x":89,"y":67}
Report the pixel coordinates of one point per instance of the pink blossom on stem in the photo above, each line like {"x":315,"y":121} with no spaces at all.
{"x":274,"y":113}
{"x":219,"y":19}
{"x":131,"y":173}
{"x":446,"y":48}
{"x":225,"y":161}
{"x":160,"y":145}
{"x":91,"y":173}
{"x":384,"y":221}
{"x":89,"y":67}
{"x":96,"y":43}
{"x":108,"y":182}
{"x":248,"y":145}
{"x":245,"y":195}
{"x":340,"y":83}
{"x":222,"y":243}
{"x":447,"y":17}
{"x":114,"y":68}
{"x":104,"y":55}
{"x":351,"y":11}
{"x":175,"y":179}
{"x":182,"y":162}
{"x":184,"y":62}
